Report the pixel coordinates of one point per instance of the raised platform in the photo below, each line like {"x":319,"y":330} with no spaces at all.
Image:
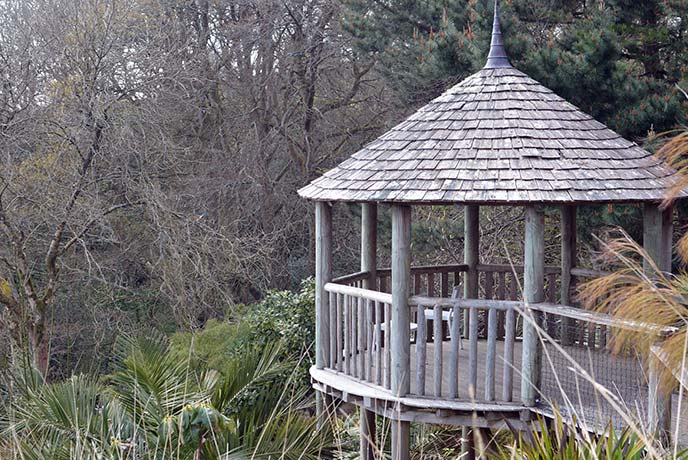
{"x":563,"y":384}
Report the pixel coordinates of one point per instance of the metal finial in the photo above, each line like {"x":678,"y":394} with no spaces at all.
{"x":497,"y":57}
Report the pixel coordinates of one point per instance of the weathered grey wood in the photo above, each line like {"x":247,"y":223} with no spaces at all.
{"x":425,"y":269}
{"x":340,"y":332}
{"x":652,"y":235}
{"x":421,"y":357}
{"x":471,"y":246}
{"x":480,"y":304}
{"x":667,"y":238}
{"x":332,"y":362}
{"x":473,"y":353}
{"x":323,"y":275}
{"x":369,"y":244}
{"x":383,"y":283}
{"x":501,"y":295}
{"x":348,"y":384}
{"x":361,"y":339}
{"x":587,"y":273}
{"x":354,"y":335}
{"x":544,"y":307}
{"x":534,"y":265}
{"x":568,"y":262}
{"x":513,"y":287}
{"x":401,"y":436}
{"x":548,"y":152}
{"x":388,"y":345}
{"x":400,"y":335}
{"x":367,"y":448}
{"x":377,"y":340}
{"x":369,"y":265}
{"x":351,"y":278}
{"x":508,"y":371}
{"x":659,"y":402}
{"x":370,"y":313}
{"x":491,"y":358}
{"x":359,"y":292}
{"x":401,"y":280}
{"x":489,"y":282}
{"x":437,"y":338}
{"x":551,"y":295}
{"x":455,"y":337}
{"x":347,"y":333}
{"x":506,"y":268}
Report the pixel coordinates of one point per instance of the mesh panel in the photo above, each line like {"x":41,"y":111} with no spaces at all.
{"x":584,"y":353}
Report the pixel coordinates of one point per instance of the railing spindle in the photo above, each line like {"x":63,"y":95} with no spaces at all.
{"x":388,"y":356}
{"x":340,"y":320}
{"x":369,"y":339}
{"x":444,"y":284}
{"x":513,"y":287}
{"x":491,"y":354}
{"x":347,"y":334}
{"x":455,"y":343}
{"x":431,"y":284}
{"x":421,"y":339}
{"x":437,"y":338}
{"x":333,"y":331}
{"x":509,"y":339}
{"x":361,"y":339}
{"x":378,"y":343}
{"x":354,"y":336}
{"x":501,"y":295}
{"x":472,"y":352}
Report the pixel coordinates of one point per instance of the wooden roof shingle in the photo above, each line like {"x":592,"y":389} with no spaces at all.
{"x":497,"y":137}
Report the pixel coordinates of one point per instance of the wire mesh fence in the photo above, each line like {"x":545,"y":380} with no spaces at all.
{"x":585,"y":380}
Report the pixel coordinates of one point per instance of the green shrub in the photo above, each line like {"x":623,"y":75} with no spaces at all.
{"x":282,"y":316}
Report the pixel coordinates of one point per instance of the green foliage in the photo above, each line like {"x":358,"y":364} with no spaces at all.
{"x":558,"y":440}
{"x":618,"y":61}
{"x":156,"y":406}
{"x":282,"y":316}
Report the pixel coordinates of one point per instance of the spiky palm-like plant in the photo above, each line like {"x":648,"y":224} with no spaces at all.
{"x":155,"y":407}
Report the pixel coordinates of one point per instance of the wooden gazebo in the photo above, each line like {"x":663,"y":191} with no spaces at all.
{"x":497,"y":138}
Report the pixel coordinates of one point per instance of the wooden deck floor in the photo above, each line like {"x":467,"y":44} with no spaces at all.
{"x":623,"y":377}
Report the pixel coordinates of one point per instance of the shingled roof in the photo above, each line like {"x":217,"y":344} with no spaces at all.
{"x":497,"y":137}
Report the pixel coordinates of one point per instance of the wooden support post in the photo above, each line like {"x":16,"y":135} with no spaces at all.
{"x":367,"y":444}
{"x":323,"y":275}
{"x":369,"y":264}
{"x":667,"y":238}
{"x":471,"y":257}
{"x":369,"y":244}
{"x":568,"y":261}
{"x":471,"y":246}
{"x":659,"y":249}
{"x":533,"y":292}
{"x":400,"y":333}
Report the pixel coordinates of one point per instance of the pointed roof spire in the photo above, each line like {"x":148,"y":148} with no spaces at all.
{"x":497,"y":57}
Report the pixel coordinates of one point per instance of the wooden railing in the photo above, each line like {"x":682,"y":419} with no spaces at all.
{"x":456,"y":370}
{"x":358,"y":345}
{"x":470,"y":349}
{"x":430,"y":280}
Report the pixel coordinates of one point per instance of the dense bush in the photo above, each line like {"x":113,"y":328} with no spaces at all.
{"x":282,"y":316}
